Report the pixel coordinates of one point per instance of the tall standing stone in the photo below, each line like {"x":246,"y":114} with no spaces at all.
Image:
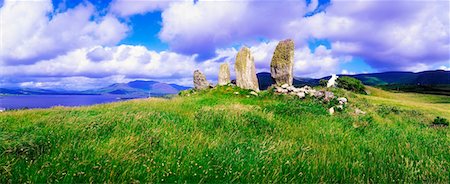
{"x":245,"y":70}
{"x":200,"y":81}
{"x":282,"y":65}
{"x":224,"y":74}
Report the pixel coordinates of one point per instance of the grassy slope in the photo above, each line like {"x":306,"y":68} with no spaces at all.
{"x":217,"y":136}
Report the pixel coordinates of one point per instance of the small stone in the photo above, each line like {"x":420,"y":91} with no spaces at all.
{"x":341,"y":107}
{"x":284,"y":91}
{"x":236,"y":93}
{"x":342,"y":100}
{"x":285,"y":86}
{"x":319,"y":94}
{"x":296,"y":90}
{"x":328,"y":96}
{"x":301,"y":94}
{"x":279,"y":90}
{"x":254,"y":93}
{"x":331,"y":110}
{"x":359,"y":111}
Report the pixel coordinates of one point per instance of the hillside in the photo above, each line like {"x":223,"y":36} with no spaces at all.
{"x":216,"y":136}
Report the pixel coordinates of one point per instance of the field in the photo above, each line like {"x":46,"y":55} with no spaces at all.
{"x":216,"y":136}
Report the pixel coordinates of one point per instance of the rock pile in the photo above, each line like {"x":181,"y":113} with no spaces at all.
{"x":300,"y":92}
{"x":245,"y":70}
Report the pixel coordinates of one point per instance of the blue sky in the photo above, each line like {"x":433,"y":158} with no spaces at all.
{"x":91,"y":43}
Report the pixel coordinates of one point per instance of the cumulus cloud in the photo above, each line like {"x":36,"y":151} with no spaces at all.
{"x":127,"y":8}
{"x":388,"y":35}
{"x":40,"y":34}
{"x":204,"y":26}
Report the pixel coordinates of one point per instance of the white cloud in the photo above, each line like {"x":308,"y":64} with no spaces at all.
{"x":40,"y":34}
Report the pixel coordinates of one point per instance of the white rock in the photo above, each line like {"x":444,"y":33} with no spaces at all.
{"x":301,"y":94}
{"x":332,"y":81}
{"x":296,"y":90}
{"x":285,"y":86}
{"x":236,"y":93}
{"x":331,"y":110}
{"x":254,"y":93}
{"x":342,"y":100}
{"x":359,"y":111}
{"x":279,"y":90}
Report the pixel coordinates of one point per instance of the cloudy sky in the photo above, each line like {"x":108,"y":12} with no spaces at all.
{"x":92,"y":43}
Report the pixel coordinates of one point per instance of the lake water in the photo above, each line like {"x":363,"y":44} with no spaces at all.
{"x":47,"y":101}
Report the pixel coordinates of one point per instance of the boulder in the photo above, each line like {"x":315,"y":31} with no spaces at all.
{"x":328,"y":96}
{"x":224,"y":74}
{"x":332,"y":81}
{"x":200,"y":81}
{"x":245,"y":70}
{"x":282,"y":65}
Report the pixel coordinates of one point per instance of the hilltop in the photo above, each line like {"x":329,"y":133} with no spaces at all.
{"x":225,"y":134}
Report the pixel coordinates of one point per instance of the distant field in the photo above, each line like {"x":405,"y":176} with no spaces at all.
{"x":216,"y":136}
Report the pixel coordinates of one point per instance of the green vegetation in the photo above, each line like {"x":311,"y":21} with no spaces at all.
{"x":440,"y":121}
{"x":323,"y":82}
{"x":216,"y":136}
{"x":351,"y":84}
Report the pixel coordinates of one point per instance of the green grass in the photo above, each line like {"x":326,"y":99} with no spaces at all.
{"x":216,"y":136}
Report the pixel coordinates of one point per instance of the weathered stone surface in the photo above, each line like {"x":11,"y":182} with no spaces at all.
{"x":282,"y":65}
{"x":285,"y":86}
{"x":200,"y":81}
{"x":332,"y":81}
{"x":342,"y":100}
{"x":245,"y":70}
{"x":328,"y":96}
{"x":331,"y":110}
{"x":301,"y":94}
{"x":224,"y":74}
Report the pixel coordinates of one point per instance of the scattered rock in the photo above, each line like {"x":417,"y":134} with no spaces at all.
{"x":200,"y":81}
{"x":301,"y":94}
{"x":224,"y":74}
{"x":281,"y":67}
{"x":332,"y":81}
{"x":245,"y":70}
{"x":236,"y":93}
{"x":331,"y":110}
{"x":254,"y":93}
{"x":359,"y":111}
{"x":328,"y":96}
{"x":342,"y":100}
{"x":285,"y":86}
{"x":319,"y":94}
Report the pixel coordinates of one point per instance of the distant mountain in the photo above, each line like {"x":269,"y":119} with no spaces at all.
{"x":436,"y":77}
{"x":265,"y":80}
{"x":138,"y":88}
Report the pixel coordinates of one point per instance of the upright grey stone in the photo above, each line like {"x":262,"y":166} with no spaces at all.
{"x":282,"y":65}
{"x":200,"y":81}
{"x":245,"y":70}
{"x":224,"y":74}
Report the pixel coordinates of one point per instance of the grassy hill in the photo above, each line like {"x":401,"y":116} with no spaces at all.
{"x":217,"y":136}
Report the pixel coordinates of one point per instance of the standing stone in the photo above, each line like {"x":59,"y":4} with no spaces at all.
{"x":200,"y":81}
{"x":282,"y":65}
{"x":224,"y":74}
{"x":245,"y":70}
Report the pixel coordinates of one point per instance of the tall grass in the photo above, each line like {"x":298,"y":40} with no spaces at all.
{"x":217,"y":136}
